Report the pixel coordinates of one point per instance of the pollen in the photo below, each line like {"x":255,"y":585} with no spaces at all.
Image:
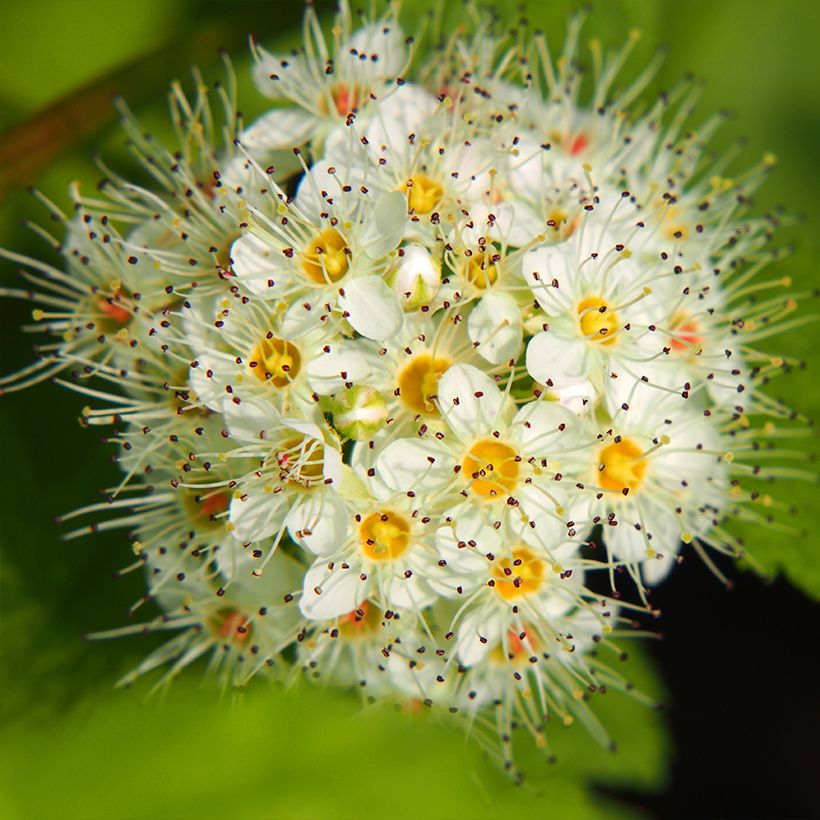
{"x":325,"y":258}
{"x":418,"y":382}
{"x":423,"y":194}
{"x":597,"y":322}
{"x":384,"y":536}
{"x":520,"y":575}
{"x":492,"y":468}
{"x":275,"y":362}
{"x":621,"y":466}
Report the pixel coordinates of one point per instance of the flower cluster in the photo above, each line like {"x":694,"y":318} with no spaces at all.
{"x":397,"y":370}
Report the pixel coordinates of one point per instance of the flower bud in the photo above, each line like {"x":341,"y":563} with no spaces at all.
{"x":359,"y":413}
{"x":416,"y":279}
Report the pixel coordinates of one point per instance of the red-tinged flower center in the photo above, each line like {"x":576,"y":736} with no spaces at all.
{"x":232,"y":626}
{"x":114,"y":310}
{"x":362,"y":621}
{"x":578,"y":143}
{"x":687,"y":337}
{"x":346,"y":98}
{"x":215,"y":503}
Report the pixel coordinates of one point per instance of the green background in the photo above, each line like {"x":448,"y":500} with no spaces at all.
{"x":74,"y":747}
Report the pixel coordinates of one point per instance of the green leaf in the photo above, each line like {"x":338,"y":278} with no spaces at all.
{"x":309,"y":752}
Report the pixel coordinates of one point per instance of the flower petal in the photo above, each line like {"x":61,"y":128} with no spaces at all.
{"x":328,"y":593}
{"x":257,"y":514}
{"x":256,"y":264}
{"x":495,"y":328}
{"x":384,"y":226}
{"x":278,"y":129}
{"x":408,"y":464}
{"x":319,"y":522}
{"x":372,"y":308}
{"x":557,"y":361}
{"x":469,"y":400}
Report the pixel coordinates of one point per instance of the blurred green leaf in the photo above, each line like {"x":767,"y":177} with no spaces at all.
{"x":306,"y":753}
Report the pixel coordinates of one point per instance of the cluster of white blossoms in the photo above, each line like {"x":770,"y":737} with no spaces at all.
{"x":398,"y":369}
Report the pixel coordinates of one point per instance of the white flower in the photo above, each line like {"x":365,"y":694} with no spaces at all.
{"x":488,"y":462}
{"x":601,"y":309}
{"x":326,"y":82}
{"x":660,"y":477}
{"x":327,"y":253}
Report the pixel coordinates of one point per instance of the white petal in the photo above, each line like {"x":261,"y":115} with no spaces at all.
{"x":257,"y":514}
{"x":252,"y":420}
{"x":579,"y":398}
{"x":209,"y":377}
{"x":477,"y":635}
{"x":278,"y":129}
{"x":319,"y":522}
{"x":495,"y":325}
{"x":556,"y":360}
{"x":330,"y":593}
{"x":411,"y":593}
{"x":546,"y":272}
{"x":417,"y":277}
{"x":384,"y":225}
{"x":410,"y":464}
{"x":257,"y":265}
{"x":469,"y":400}
{"x":545,"y":428}
{"x":372,"y":308}
{"x":355,"y":359}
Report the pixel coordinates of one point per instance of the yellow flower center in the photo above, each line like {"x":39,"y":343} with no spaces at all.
{"x":621,"y":466}
{"x":325,"y":257}
{"x":492,"y":468}
{"x":481,"y":271}
{"x":520,"y":575}
{"x":301,"y":461}
{"x":275,"y":362}
{"x":598,"y":323}
{"x":423,"y":193}
{"x":384,"y":536}
{"x":418,"y":382}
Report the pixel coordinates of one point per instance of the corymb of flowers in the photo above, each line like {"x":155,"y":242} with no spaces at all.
{"x":419,"y":382}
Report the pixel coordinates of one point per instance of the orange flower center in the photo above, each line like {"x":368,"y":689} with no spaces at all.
{"x":418,"y":383}
{"x":325,"y":258}
{"x":520,"y":575}
{"x":384,"y":536}
{"x":423,"y":193}
{"x":492,"y":468}
{"x":275,"y":361}
{"x":598,"y":323}
{"x":621,"y":466}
